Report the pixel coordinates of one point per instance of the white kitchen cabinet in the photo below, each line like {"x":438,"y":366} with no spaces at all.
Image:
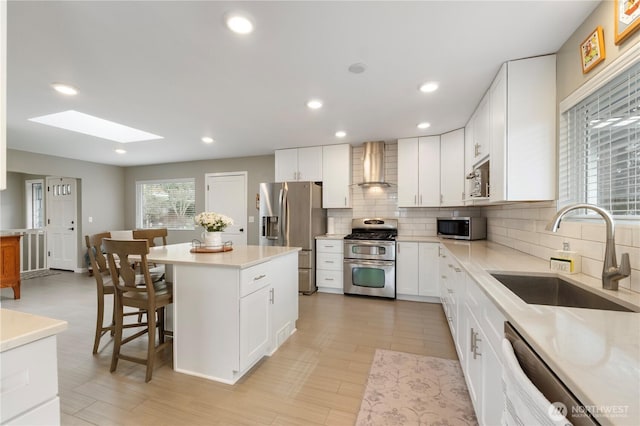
{"x":29,"y":384}
{"x":298,"y":164}
{"x":469,"y":159}
{"x":452,"y":175}
{"x":255,"y":325}
{"x":336,"y":176}
{"x":419,"y":172}
{"x":452,"y":296}
{"x":329,"y":265}
{"x":523,"y":131}
{"x":417,"y":271}
{"x":284,"y":299}
{"x":479,"y":149}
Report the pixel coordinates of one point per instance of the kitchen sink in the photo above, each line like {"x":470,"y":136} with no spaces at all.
{"x":554,"y":291}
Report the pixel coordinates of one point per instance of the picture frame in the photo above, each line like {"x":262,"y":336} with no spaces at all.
{"x":627,"y":18}
{"x":592,"y":50}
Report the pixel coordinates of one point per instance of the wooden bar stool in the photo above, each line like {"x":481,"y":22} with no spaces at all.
{"x":150,"y":296}
{"x":104,"y":287}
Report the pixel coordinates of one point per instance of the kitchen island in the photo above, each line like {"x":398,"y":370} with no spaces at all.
{"x":231,"y":308}
{"x":29,"y":374}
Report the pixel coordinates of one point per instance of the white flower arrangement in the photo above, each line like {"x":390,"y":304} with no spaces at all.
{"x":212,"y":221}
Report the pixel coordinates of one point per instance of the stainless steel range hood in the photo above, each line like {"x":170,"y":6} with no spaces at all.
{"x":373,"y":165}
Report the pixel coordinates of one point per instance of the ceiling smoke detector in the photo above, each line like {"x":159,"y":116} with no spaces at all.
{"x":357,"y":68}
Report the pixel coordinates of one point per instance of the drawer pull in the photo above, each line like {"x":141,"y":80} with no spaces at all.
{"x":328,"y":261}
{"x":259,"y":277}
{"x":328,"y":279}
{"x":328,"y":246}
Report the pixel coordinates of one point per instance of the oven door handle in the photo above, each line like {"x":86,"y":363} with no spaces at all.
{"x":370,"y":262}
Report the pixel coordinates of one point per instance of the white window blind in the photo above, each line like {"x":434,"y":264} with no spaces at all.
{"x":166,"y":204}
{"x":599,"y":158}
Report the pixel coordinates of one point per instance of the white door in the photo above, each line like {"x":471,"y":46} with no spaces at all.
{"x":227,"y":194}
{"x":62,"y":223}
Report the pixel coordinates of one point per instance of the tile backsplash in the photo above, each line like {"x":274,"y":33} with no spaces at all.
{"x":519,"y":226}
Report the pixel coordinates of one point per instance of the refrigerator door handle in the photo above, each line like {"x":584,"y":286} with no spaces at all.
{"x":284,"y":216}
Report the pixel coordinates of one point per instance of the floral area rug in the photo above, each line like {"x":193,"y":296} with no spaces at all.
{"x":408,"y":389}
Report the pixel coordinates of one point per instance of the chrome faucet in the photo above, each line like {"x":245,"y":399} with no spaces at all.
{"x":611,"y":273}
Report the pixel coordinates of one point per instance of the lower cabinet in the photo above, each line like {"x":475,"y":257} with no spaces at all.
{"x":255,"y":325}
{"x":417,"y":271}
{"x":329,"y":265}
{"x":476,"y":327}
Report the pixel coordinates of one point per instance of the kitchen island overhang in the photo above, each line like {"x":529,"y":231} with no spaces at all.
{"x":230,"y":308}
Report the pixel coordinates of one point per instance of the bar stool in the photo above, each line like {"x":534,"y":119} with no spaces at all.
{"x":104,"y":287}
{"x":150,"y":296}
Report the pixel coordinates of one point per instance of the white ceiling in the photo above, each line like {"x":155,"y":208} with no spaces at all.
{"x":173,"y":69}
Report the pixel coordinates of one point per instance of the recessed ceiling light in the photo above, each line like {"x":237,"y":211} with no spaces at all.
{"x":341,"y":134}
{"x":429,"y":87}
{"x":64,"y":89}
{"x":121,"y":151}
{"x":239,"y":24}
{"x":314,"y":104}
{"x":424,"y":125}
{"x":94,"y":126}
{"x":207,"y":139}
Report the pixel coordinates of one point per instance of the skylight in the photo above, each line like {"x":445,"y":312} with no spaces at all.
{"x":94,"y":126}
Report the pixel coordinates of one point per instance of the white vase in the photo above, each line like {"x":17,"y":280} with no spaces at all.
{"x":212,"y":239}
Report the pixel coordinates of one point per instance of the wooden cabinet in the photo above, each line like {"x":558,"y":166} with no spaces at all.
{"x":336,"y":176}
{"x":452,"y":175}
{"x":10,"y":263}
{"x":298,"y":164}
{"x":417,"y":271}
{"x":523,"y":131}
{"x":419,"y":172}
{"x":329,"y":265}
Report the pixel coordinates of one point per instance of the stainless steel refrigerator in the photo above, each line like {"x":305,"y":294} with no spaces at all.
{"x":291,"y":214}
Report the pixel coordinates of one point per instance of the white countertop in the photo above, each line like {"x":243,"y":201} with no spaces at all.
{"x":240,"y":257}
{"x":412,"y":239}
{"x":595,"y":353}
{"x":331,"y":237}
{"x":20,"y":328}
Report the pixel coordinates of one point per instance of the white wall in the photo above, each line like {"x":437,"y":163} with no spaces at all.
{"x":101,"y":189}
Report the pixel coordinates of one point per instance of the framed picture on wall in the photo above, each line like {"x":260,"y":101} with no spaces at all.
{"x":592,"y":50}
{"x":627,"y":18}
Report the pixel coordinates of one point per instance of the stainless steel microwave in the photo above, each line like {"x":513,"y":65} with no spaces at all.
{"x":462,"y":228}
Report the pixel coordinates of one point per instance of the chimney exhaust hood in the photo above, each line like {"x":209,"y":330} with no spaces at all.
{"x":373,"y":165}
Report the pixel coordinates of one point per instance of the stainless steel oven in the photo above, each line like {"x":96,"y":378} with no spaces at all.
{"x":370,"y":258}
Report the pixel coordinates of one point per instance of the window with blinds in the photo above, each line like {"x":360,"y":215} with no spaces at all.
{"x":599,"y":157}
{"x":166,"y":204}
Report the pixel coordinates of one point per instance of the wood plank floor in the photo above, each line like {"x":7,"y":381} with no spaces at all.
{"x":316,"y":378}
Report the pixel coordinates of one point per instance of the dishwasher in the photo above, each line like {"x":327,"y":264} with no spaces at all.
{"x":545,"y":380}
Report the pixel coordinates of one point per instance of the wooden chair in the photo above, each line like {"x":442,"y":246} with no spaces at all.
{"x":155,"y":237}
{"x":152,"y":297}
{"x":151,"y":235}
{"x":104,"y":287}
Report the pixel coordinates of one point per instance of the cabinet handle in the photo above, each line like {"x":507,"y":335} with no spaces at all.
{"x":441,"y":198}
{"x":345,"y":201}
{"x":272,"y":296}
{"x":415,"y":200}
{"x":457,"y":269}
{"x":444,"y":277}
{"x":450,"y":291}
{"x":328,"y":261}
{"x":328,"y":246}
{"x":420,"y":199}
{"x":328,"y":279}
{"x":259,"y":277}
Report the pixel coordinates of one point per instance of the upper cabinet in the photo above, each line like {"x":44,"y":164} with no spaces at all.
{"x":299,"y":164}
{"x":336,"y":173}
{"x":523,"y":131}
{"x":419,"y":172}
{"x":452,"y":175}
{"x":480,"y":147}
